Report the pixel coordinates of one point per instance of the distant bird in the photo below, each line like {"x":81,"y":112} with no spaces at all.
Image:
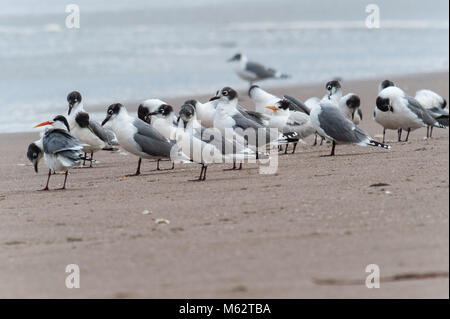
{"x":75,"y":106}
{"x":86,"y":133}
{"x":35,"y":153}
{"x":288,"y":121}
{"x":435,"y":104}
{"x":252,"y":71}
{"x":204,"y":111}
{"x":206,"y":146}
{"x":331,"y":123}
{"x":62,"y":150}
{"x":349,"y":105}
{"x":397,"y":111}
{"x":138,"y":137}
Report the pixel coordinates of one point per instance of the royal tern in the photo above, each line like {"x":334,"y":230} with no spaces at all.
{"x":62,"y":150}
{"x":252,"y":71}
{"x":138,"y":137}
{"x":331,"y":123}
{"x":288,"y":121}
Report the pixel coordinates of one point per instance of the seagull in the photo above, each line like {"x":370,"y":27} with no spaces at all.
{"x":206,"y":145}
{"x":85,"y":132}
{"x":331,"y":123}
{"x":205,"y":111}
{"x":62,"y":150}
{"x":144,"y":113}
{"x":396,"y":110}
{"x":288,"y":121}
{"x":349,"y":105}
{"x":252,"y":71}
{"x":138,"y":137}
{"x":435,"y":104}
{"x":245,"y":125}
{"x":75,"y":106}
{"x":35,"y":153}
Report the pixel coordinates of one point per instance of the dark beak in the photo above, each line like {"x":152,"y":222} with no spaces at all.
{"x":35,"y":164}
{"x":106,"y":120}
{"x":70,"y":109}
{"x":214,"y":98}
{"x":185,"y":124}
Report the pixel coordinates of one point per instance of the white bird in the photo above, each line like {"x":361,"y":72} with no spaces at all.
{"x":86,"y":133}
{"x":138,"y":137}
{"x":62,"y":150}
{"x":395,"y":110}
{"x":435,"y":104}
{"x":206,"y":145}
{"x":261,"y":99}
{"x":35,"y":153}
{"x":204,"y":111}
{"x":288,"y":121}
{"x":76,"y":106}
{"x":331,"y":123}
{"x":252,"y":71}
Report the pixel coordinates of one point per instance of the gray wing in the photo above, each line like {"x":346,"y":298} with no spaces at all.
{"x":214,"y":137}
{"x":148,"y":131}
{"x":415,"y":107}
{"x":297,"y":105}
{"x":337,"y":126}
{"x":252,"y":115}
{"x":104,"y":134}
{"x":56,"y":141}
{"x":260,"y":70}
{"x":244,"y":122}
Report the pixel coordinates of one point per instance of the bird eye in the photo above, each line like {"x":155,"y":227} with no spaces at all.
{"x":110,"y":112}
{"x":329,"y":87}
{"x":225,"y":93}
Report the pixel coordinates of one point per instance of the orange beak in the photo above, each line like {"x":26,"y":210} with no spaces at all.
{"x":273,"y":108}
{"x":43,"y":124}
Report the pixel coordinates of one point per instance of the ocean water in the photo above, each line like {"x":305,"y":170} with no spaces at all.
{"x":134,"y":50}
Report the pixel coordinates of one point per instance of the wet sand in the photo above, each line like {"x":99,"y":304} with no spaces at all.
{"x":308,"y":231}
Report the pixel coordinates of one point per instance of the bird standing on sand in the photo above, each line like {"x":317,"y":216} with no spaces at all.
{"x":76,"y":106}
{"x":435,"y":104}
{"x":397,"y":111}
{"x":138,"y":137}
{"x":331,"y":123}
{"x":252,"y":71}
{"x":288,"y":121}
{"x":62,"y":150}
{"x":206,"y":145}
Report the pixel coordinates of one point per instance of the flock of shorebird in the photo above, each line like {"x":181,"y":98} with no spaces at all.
{"x":220,"y":130}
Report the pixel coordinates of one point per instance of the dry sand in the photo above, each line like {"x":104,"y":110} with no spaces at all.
{"x":308,"y":231}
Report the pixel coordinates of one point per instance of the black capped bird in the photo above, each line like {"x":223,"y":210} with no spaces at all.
{"x":62,"y":150}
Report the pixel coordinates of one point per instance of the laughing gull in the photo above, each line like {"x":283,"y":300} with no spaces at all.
{"x":243,"y":124}
{"x":144,"y":113}
{"x":288,"y":121}
{"x":85,"y":132}
{"x":62,"y":150}
{"x":435,"y":104}
{"x":204,"y":111}
{"x":138,"y":137}
{"x":349,"y":105}
{"x":395,"y":110}
{"x":75,"y":106}
{"x":252,"y":71}
{"x":35,"y":153}
{"x":206,"y":145}
{"x":331,"y":123}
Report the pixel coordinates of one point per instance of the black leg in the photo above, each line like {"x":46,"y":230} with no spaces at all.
{"x":384,"y":134}
{"x":84,"y":160}
{"x":332,"y":148}
{"x":315,"y":140}
{"x":321,"y":141}
{"x":407,"y":135}
{"x":240,"y":166}
{"x":48,"y":180}
{"x":428,"y":131}
{"x":286,"y":148}
{"x":173,"y":165}
{"x":295,"y":146}
{"x":399,"y":132}
{"x":157,"y":165}
{"x":65,"y":179}
{"x":92,"y":157}
{"x":204,"y":173}
{"x":431,"y":132}
{"x":138,"y":170}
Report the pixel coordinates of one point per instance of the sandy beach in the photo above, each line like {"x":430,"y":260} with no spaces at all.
{"x":309,"y":231}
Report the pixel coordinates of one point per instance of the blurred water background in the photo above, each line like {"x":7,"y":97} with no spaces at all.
{"x":133,"y":50}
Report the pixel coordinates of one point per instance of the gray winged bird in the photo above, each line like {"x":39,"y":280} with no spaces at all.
{"x":395,"y":110}
{"x":331,"y":123}
{"x":252,"y":71}
{"x":62,"y":150}
{"x":435,"y":104}
{"x":138,"y":137}
{"x":35,"y":153}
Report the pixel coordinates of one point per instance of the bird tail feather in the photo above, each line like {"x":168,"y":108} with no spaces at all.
{"x":375,"y":143}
